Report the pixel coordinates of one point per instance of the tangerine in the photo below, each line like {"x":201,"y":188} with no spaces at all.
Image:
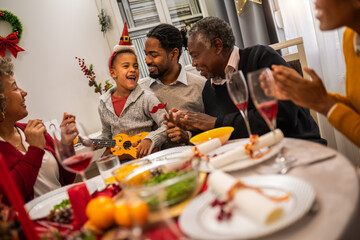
{"x":100,"y":211}
{"x":132,"y":211}
{"x":122,"y":215}
{"x":139,"y":211}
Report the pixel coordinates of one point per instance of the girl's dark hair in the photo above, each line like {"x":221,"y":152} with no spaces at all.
{"x":169,"y":37}
{"x":126,"y":50}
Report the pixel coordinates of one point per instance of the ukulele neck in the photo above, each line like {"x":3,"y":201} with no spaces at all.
{"x":104,"y":142}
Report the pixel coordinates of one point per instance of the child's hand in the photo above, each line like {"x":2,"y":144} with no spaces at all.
{"x":144,"y":147}
{"x":107,"y":152}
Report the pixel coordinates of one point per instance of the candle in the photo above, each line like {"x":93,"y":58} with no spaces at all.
{"x":13,"y":195}
{"x":79,"y":197}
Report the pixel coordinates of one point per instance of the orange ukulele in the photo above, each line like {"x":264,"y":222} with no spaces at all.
{"x":123,"y":145}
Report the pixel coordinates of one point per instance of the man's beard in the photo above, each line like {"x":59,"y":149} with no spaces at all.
{"x":159,"y":73}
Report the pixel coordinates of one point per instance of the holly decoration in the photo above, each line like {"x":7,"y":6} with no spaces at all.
{"x":107,"y":85}
{"x":10,"y":41}
{"x":104,"y":21}
{"x":90,"y":74}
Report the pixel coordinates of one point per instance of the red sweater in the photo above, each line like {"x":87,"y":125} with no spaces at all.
{"x":25,"y":168}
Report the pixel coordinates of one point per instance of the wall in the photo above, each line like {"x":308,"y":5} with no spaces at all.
{"x":54,"y":33}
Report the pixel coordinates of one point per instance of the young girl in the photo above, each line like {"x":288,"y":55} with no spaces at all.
{"x":126,"y":107}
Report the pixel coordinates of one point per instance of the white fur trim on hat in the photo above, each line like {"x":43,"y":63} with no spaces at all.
{"x":118,"y":48}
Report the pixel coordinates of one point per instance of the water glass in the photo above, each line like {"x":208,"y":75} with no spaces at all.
{"x":106,"y":165}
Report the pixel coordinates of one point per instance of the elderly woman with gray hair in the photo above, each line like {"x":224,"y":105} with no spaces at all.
{"x":27,"y":148}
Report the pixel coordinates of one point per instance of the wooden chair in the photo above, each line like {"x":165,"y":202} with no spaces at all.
{"x":296,"y":60}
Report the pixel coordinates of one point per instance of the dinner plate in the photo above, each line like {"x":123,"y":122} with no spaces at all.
{"x":198,"y":220}
{"x":41,"y":206}
{"x":167,"y":152}
{"x":243,"y":161}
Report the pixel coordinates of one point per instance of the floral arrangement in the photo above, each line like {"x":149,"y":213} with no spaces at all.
{"x":104,"y":21}
{"x":90,"y":74}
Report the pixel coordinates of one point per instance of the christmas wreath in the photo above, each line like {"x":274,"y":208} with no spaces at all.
{"x":10,"y":42}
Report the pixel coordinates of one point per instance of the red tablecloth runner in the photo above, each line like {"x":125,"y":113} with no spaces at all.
{"x":172,"y":232}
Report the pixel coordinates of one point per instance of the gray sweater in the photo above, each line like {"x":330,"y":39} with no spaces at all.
{"x":186,"y":97}
{"x":134,"y":118}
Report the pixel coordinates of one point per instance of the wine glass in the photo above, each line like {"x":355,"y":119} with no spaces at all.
{"x":263,"y":92}
{"x":239,"y":94}
{"x":65,"y":137}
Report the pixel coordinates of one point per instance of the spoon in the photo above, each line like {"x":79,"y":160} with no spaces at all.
{"x":288,"y":168}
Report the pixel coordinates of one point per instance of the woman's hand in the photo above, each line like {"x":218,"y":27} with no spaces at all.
{"x":68,"y":129}
{"x":67,"y":119}
{"x":144,"y":147}
{"x":35,"y":133}
{"x":306,"y":93}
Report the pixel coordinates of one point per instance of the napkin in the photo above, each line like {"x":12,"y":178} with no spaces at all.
{"x":249,"y":201}
{"x":203,"y":148}
{"x":265,"y":140}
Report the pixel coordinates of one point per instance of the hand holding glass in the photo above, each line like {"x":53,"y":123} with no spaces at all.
{"x":238,"y":92}
{"x":64,"y":140}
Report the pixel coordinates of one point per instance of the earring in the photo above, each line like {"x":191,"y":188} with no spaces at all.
{"x":3,"y":116}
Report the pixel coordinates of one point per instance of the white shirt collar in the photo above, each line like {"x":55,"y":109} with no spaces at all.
{"x":181,"y":78}
{"x":231,"y":66}
{"x":357,"y":44}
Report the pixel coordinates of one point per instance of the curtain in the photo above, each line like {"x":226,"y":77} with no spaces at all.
{"x":250,"y":27}
{"x":324,"y":55}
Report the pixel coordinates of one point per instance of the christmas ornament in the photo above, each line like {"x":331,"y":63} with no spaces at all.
{"x":10,"y":42}
{"x":240,"y":4}
{"x":104,"y":21}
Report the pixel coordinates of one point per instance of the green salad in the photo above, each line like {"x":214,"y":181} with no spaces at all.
{"x":173,"y":193}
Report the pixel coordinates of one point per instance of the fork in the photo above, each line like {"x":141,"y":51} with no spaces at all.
{"x":288,"y":168}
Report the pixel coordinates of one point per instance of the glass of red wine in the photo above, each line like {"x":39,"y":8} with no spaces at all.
{"x":263,"y":92}
{"x":65,"y":137}
{"x":239,"y":94}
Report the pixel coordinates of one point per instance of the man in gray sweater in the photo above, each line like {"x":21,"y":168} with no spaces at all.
{"x":168,"y":78}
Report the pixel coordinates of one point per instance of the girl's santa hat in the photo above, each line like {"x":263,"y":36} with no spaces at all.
{"x":124,"y":43}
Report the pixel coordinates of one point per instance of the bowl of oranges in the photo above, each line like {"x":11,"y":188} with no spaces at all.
{"x":160,"y":183}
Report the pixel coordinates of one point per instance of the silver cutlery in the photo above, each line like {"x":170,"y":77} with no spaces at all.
{"x":288,"y":168}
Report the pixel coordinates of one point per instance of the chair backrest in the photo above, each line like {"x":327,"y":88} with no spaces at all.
{"x":292,"y":58}
{"x":296,"y":60}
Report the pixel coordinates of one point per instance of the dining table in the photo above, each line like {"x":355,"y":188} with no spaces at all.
{"x":334,"y":214}
{"x":336,"y":183}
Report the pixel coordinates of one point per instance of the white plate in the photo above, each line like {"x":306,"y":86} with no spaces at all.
{"x":41,"y":206}
{"x":243,"y":161}
{"x":167,"y":152}
{"x":198,"y":220}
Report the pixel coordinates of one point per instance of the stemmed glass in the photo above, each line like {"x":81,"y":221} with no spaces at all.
{"x":65,"y":137}
{"x":239,"y":94}
{"x":263,"y":92}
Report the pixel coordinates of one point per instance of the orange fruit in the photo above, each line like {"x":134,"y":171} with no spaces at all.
{"x":139,"y":211}
{"x":136,"y":210}
{"x":122,"y":215}
{"x":136,"y":180}
{"x":100,"y":211}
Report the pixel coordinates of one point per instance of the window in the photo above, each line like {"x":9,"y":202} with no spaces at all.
{"x":142,"y":15}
